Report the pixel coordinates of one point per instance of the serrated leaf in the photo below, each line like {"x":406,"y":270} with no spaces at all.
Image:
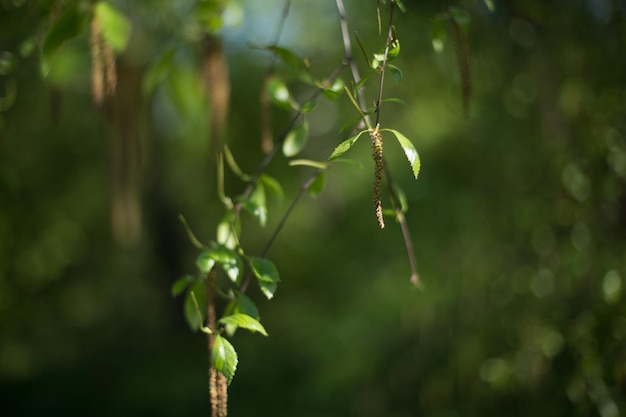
{"x":225,"y":257}
{"x":267,"y":275}
{"x":224,"y":357}
{"x":317,"y":185}
{"x":438,"y":35}
{"x":273,"y":186}
{"x":409,"y":151}
{"x":244,"y":321}
{"x":69,"y":25}
{"x":296,"y":139}
{"x":396,"y":72}
{"x":195,"y":305}
{"x":114,"y":25}
{"x":345,"y":146}
{"x":180,"y":285}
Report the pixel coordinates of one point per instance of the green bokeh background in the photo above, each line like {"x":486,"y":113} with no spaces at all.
{"x":518,"y":220}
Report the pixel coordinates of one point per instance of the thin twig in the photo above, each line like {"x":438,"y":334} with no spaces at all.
{"x":408,"y":242}
{"x":279,"y":32}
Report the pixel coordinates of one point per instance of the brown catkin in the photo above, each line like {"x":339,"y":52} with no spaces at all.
{"x":377,"y":154}
{"x":218,"y":385}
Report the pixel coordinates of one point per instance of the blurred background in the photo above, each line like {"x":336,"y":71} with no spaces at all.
{"x":518,"y":217}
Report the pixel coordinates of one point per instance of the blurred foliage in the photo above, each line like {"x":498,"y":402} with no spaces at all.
{"x":519,"y":215}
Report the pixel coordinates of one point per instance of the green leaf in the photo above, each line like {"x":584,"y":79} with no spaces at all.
{"x":225,"y":231}
{"x":334,"y":90}
{"x":256,"y":204}
{"x":244,"y":321}
{"x":308,"y":106}
{"x":69,"y":25}
{"x":400,"y":5}
{"x":158,"y":71}
{"x":114,"y":25}
{"x":225,"y":257}
{"x":461,"y":17}
{"x":395,"y":100}
{"x":317,"y":185}
{"x":345,"y":146}
{"x":243,"y":304}
{"x":195,"y":305}
{"x":296,"y":139}
{"x":287,"y":56}
{"x":394,"y":51}
{"x":224,"y":357}
{"x":308,"y":163}
{"x":180,"y":285}
{"x":409,"y":150}
{"x":490,"y":5}
{"x":273,"y":186}
{"x":396,"y":72}
{"x":278,"y":92}
{"x":439,"y":35}
{"x":267,"y":275}
{"x":404,"y":205}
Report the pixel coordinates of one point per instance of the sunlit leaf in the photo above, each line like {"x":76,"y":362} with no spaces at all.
{"x":317,"y":185}
{"x":256,"y":204}
{"x":278,"y":92}
{"x":244,"y":321}
{"x":345,"y":146}
{"x":114,"y":25}
{"x":334,"y":90}
{"x":69,"y":25}
{"x":229,"y":225}
{"x":225,"y":257}
{"x":439,"y":34}
{"x":409,"y":150}
{"x":296,"y":139}
{"x":394,"y":51}
{"x":267,"y":275}
{"x":224,"y":357}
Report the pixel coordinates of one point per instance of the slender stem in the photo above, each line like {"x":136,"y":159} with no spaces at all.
{"x":408,"y":242}
{"x":279,"y":31}
{"x":384,"y":64}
